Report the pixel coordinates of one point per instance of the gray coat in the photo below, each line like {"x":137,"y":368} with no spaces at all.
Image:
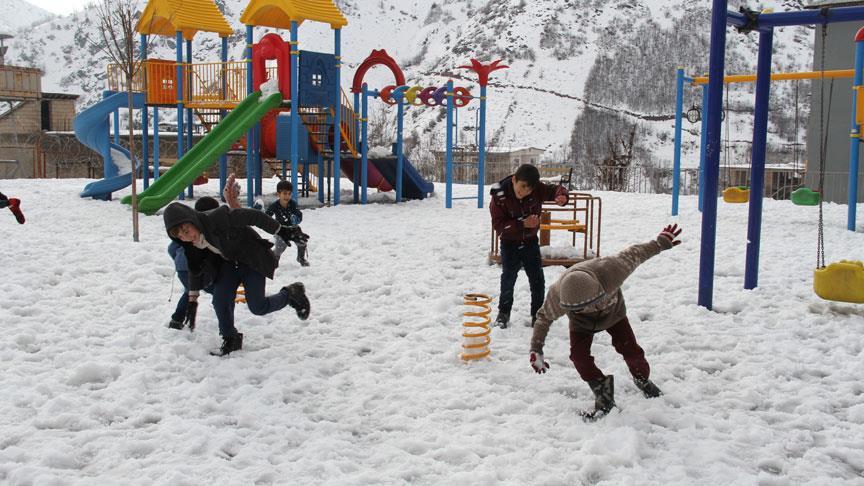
{"x":610,"y":271}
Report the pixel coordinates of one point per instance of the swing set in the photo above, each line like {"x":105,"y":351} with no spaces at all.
{"x":842,"y":281}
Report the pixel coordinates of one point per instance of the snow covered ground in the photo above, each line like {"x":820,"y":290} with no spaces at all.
{"x":766,"y":389}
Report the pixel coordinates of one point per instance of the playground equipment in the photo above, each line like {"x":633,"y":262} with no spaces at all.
{"x":404,"y":96}
{"x":764,"y":23}
{"x":240,"y":298}
{"x":586,"y":214}
{"x":736,"y":194}
{"x":805,"y":197}
{"x":841,"y":281}
{"x":476,"y":332}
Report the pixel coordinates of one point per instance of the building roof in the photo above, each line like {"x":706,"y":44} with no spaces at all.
{"x":167,"y":17}
{"x":59,"y":96}
{"x":280,"y":13}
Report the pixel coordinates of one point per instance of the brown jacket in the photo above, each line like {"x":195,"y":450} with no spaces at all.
{"x":610,"y":271}
{"x":508,"y":212}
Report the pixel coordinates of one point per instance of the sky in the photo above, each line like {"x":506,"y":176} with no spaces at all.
{"x":765,"y":389}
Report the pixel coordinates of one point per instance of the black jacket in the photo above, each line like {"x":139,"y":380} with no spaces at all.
{"x":228,"y":230}
{"x":289,"y":216}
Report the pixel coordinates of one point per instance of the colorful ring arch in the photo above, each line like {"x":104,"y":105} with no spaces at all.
{"x":378,"y":56}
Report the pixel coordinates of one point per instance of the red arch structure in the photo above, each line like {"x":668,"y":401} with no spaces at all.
{"x":379,"y":56}
{"x":271,"y":46}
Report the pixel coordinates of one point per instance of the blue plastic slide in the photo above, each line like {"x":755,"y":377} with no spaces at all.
{"x":92,"y":129}
{"x":414,"y":186}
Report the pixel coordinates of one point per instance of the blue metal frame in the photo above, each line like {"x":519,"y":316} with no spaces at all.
{"x":854,"y":139}
{"x":764,"y":24}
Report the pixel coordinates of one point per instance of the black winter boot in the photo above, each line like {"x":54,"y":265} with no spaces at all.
{"x":175,"y":324}
{"x":649,"y":389}
{"x":297,"y":299}
{"x":502,"y":320}
{"x":604,"y":397}
{"x":301,"y":255}
{"x":229,"y":344}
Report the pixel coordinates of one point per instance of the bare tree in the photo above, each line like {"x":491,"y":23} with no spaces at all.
{"x":117,"y":34}
{"x":615,"y":167}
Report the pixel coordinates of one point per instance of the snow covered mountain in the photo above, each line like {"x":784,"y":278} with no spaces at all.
{"x":578,"y":68}
{"x":18,"y":14}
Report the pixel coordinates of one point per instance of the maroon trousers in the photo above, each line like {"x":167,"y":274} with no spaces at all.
{"x":624,"y":342}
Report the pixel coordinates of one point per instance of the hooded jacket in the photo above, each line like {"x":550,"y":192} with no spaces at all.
{"x":229,"y":231}
{"x":601,"y":280}
{"x":508,"y":212}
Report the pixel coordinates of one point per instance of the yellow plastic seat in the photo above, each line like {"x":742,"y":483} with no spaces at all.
{"x":738,"y":194}
{"x":841,"y":281}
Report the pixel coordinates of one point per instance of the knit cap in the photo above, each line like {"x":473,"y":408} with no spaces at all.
{"x":580,"y":289}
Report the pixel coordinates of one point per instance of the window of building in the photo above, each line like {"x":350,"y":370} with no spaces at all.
{"x":46,"y":115}
{"x":317,"y":79}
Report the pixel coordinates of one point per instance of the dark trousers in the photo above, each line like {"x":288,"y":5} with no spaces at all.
{"x":624,"y":342}
{"x":513,"y":257}
{"x":231,"y":275}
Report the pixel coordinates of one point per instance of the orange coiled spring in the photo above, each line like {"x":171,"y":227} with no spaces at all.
{"x":476,"y":332}
{"x":241,"y":295}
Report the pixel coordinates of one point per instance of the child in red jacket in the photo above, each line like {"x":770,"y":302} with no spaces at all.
{"x":515,"y":208}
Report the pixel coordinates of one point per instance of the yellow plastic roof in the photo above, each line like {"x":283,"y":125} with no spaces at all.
{"x":280,"y":13}
{"x":166,"y":17}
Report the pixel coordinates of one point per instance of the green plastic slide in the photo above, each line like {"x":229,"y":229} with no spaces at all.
{"x":164,"y":189}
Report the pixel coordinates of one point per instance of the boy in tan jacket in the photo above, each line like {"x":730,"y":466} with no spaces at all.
{"x":589,"y":293}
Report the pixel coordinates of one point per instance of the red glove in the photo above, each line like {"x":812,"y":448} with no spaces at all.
{"x":15,"y":207}
{"x":667,"y":237}
{"x":538,"y":364}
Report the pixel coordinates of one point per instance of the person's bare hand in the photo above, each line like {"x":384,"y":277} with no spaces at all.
{"x":232,"y":192}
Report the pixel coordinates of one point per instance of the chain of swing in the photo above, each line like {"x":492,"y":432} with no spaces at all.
{"x":823,"y":141}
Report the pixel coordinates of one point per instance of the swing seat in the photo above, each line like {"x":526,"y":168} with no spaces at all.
{"x":841,"y":281}
{"x":803,"y":196}
{"x":739,"y":194}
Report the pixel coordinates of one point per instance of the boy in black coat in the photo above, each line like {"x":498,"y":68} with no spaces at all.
{"x":221,"y":241}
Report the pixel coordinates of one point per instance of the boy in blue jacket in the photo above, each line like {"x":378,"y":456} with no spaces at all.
{"x":285,"y":212}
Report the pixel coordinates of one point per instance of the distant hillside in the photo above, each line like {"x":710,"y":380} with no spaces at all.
{"x":582,"y":72}
{"x":18,"y":14}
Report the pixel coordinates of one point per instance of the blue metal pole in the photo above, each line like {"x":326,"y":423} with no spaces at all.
{"x":223,"y":159}
{"x":399,"y":96}
{"x":189,"y":119}
{"x":712,"y":156}
{"x":676,"y":164}
{"x":145,"y":120}
{"x":117,"y":126}
{"x":295,"y":105}
{"x":155,"y":143}
{"x":757,"y":160}
{"x":448,"y":200}
{"x":337,"y":124}
{"x":250,"y":134}
{"x":364,"y":152}
{"x":481,"y":150}
{"x":854,"y":140}
{"x":767,"y":21}
{"x":180,"y":149}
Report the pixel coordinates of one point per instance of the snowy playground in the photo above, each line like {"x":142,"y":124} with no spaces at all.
{"x":765,"y":389}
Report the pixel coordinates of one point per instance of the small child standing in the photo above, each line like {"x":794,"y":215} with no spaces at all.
{"x":285,"y":212}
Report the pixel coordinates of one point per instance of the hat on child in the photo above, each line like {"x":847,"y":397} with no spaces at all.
{"x":580,"y":289}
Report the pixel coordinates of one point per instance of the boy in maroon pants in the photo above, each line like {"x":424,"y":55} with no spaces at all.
{"x":589,"y":293}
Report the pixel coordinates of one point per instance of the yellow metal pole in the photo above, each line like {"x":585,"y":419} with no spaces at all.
{"x":749,"y":78}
